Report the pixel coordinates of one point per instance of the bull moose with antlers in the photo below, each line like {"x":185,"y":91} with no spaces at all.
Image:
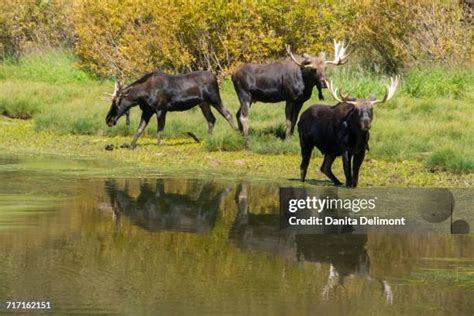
{"x":339,"y":130}
{"x":159,"y":93}
{"x":291,"y":80}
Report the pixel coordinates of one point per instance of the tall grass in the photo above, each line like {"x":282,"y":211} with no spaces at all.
{"x":49,"y":66}
{"x":430,"y":118}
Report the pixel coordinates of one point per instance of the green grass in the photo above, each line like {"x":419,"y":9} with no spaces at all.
{"x":430,"y":119}
{"x":55,"y":67}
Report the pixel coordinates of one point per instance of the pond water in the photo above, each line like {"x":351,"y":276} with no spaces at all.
{"x":162,"y":245}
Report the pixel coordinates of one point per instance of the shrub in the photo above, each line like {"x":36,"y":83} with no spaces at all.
{"x":395,"y":34}
{"x":128,"y":38}
{"x":25,"y":24}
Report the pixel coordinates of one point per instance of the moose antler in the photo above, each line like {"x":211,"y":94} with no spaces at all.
{"x":341,"y":98}
{"x":117,"y":88}
{"x":389,"y":90}
{"x":109,"y":96}
{"x":340,"y":56}
{"x":288,"y":50}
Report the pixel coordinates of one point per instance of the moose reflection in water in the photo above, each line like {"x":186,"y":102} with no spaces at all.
{"x":346,"y":253}
{"x":195,"y":209}
{"x":155,"y":209}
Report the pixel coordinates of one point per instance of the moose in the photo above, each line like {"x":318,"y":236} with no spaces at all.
{"x":339,"y":130}
{"x":291,"y":80}
{"x":159,"y":93}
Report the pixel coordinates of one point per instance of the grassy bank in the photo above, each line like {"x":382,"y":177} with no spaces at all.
{"x":429,"y":121}
{"x":185,"y":157}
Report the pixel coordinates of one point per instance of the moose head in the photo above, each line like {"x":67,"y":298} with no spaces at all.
{"x":120,"y":105}
{"x":317,"y":64}
{"x":362,"y":112}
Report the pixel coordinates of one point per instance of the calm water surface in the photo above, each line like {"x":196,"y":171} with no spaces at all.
{"x":193,"y":246}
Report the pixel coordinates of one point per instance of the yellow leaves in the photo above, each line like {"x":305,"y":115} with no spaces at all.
{"x":214,"y":35}
{"x":408,"y":33}
{"x":127,"y":38}
{"x":31,"y":22}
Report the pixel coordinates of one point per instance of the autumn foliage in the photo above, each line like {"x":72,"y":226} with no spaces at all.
{"x":127,"y":38}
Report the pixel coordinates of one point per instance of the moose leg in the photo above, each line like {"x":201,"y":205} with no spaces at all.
{"x":243,"y":119}
{"x":326,"y":169}
{"x":346,"y":162}
{"x":245,"y":100}
{"x":224,"y":112}
{"x":161,"y":120}
{"x":294,"y":116}
{"x":237,"y":115}
{"x":141,"y":127}
{"x":306,"y":151}
{"x":127,"y":117}
{"x":358,"y":159}
{"x":211,"y":120}
{"x":288,"y":115}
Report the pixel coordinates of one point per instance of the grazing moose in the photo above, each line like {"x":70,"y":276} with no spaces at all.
{"x":339,"y":130}
{"x":291,"y":80}
{"x":159,"y":93}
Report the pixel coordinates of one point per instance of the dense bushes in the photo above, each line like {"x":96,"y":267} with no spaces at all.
{"x":132,"y":37}
{"x":127,"y":38}
{"x":27,"y":24}
{"x":395,"y":34}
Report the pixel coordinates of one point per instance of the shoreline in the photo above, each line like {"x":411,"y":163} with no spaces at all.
{"x":181,"y":156}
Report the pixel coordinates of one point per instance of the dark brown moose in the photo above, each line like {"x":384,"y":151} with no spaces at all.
{"x":159,"y":93}
{"x":291,"y":80}
{"x":339,"y":130}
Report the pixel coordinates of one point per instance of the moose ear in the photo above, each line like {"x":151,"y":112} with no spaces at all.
{"x":306,"y":59}
{"x":322,"y":55}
